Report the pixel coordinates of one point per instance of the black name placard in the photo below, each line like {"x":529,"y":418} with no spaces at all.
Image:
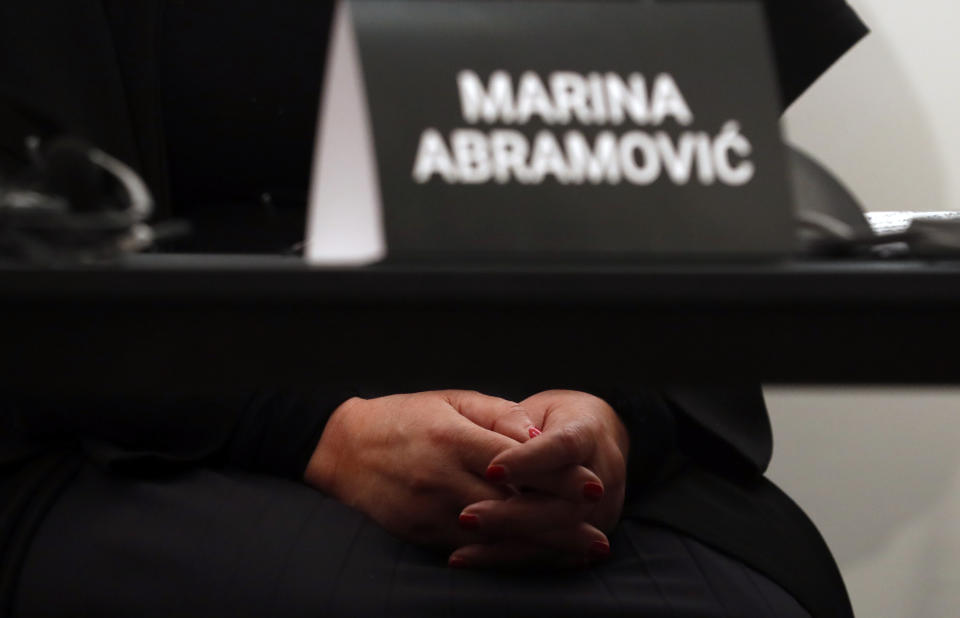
{"x":575,"y":129}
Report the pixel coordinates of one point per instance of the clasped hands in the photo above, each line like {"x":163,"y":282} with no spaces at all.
{"x":497,"y":482}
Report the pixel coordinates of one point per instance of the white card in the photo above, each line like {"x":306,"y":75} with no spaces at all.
{"x":344,"y":220}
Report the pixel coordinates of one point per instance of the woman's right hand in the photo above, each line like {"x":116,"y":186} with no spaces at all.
{"x":575,"y":472}
{"x":412,"y":462}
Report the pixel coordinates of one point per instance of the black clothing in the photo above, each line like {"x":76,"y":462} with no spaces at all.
{"x":45,"y":439}
{"x":111,"y":542}
{"x":111,"y":72}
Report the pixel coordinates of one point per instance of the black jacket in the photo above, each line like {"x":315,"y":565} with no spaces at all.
{"x":59,"y":72}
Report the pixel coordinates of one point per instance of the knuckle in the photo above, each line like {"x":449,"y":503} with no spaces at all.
{"x":501,"y":423}
{"x":510,"y":413}
{"x":511,"y":407}
{"x":617,"y":459}
{"x":460,"y":395}
{"x":573,"y":441}
{"x":614,"y":459}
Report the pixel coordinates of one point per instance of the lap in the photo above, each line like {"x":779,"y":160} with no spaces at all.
{"x":221,"y":543}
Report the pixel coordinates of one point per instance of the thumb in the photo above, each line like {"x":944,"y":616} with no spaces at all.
{"x":503,"y":416}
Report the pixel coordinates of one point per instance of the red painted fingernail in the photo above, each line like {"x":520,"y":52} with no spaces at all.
{"x":592,"y":491}
{"x":457,"y":562}
{"x":534,"y":432}
{"x":599,"y":549}
{"x":496,"y":473}
{"x":469,"y":522}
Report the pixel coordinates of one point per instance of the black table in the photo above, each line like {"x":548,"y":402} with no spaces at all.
{"x":216,"y":321}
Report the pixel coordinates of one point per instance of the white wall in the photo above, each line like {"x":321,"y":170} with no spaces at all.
{"x":879,"y":469}
{"x":886,"y":118}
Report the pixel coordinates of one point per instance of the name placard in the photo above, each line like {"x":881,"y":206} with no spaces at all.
{"x":547,"y":129}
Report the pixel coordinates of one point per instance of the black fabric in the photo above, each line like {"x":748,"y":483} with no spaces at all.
{"x":259,"y":431}
{"x":95,"y":69}
{"x":31,"y":480}
{"x":45,"y":438}
{"x":212,"y":543}
{"x":808,"y":37}
{"x":752,"y":519}
{"x":162,"y":437}
{"x":731,"y":427}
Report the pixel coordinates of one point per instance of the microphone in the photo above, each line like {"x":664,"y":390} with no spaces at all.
{"x":69,"y":172}
{"x":91,"y":181}
{"x":76,"y":202}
